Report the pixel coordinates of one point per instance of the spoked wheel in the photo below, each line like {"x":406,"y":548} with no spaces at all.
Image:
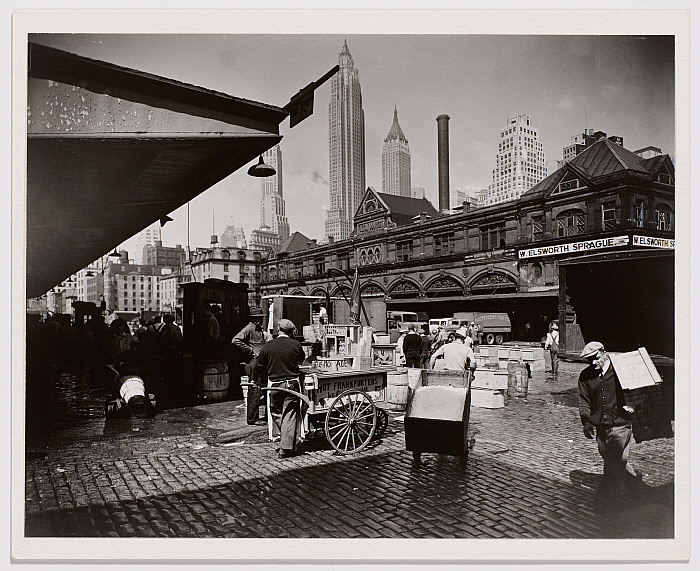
{"x":382,"y":423}
{"x":351,"y":421}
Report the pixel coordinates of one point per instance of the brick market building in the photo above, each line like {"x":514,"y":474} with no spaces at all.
{"x":595,"y":223}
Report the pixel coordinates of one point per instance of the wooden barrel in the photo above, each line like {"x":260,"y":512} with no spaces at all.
{"x":517,"y":379}
{"x":213,"y":380}
{"x":397,"y":389}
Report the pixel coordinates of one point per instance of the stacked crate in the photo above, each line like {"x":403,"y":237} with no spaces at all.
{"x":491,"y":376}
{"x":644,"y":392}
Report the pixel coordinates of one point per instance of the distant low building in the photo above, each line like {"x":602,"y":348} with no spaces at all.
{"x":583,"y":140}
{"x":233,"y":237}
{"x":163,"y":256}
{"x":228,"y":264}
{"x":418,"y":192}
{"x":265,"y":239}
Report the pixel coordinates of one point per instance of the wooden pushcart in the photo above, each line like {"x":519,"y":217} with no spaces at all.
{"x":437,"y":415}
{"x":343,"y":405}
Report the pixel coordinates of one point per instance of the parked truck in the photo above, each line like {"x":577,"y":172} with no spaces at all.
{"x":494,"y":326}
{"x":381,"y":319}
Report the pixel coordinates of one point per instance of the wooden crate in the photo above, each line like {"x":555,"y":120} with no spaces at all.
{"x":650,"y":419}
{"x":495,"y":379}
{"x":487,"y":398}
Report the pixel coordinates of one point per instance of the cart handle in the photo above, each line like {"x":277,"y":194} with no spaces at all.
{"x":291,"y":392}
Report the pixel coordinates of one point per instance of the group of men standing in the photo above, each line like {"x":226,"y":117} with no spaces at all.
{"x":457,"y":352}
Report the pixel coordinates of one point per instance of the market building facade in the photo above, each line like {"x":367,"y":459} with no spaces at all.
{"x":602,"y":210}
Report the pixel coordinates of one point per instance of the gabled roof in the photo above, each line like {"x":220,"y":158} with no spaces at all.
{"x":656,"y":164}
{"x":403,"y":209}
{"x":602,"y":160}
{"x":605,"y":157}
{"x":295,"y":243}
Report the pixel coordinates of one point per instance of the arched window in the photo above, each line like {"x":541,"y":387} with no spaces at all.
{"x":571,"y":222}
{"x":663,"y":217}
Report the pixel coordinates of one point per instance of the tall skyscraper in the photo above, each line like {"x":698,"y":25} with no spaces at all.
{"x":147,"y":237}
{"x":272,"y":206}
{"x":346,"y":139}
{"x":520,"y":163}
{"x":396,"y":161}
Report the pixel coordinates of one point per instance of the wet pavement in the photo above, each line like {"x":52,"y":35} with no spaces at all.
{"x":203,"y":472}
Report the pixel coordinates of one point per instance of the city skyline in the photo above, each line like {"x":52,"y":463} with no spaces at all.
{"x":618,"y":84}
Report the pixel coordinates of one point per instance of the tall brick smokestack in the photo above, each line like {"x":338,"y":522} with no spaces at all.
{"x":443,"y":163}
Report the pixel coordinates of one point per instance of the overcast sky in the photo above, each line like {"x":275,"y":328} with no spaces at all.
{"x":623,"y":85}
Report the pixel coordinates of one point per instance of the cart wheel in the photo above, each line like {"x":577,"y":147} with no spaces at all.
{"x":416,"y":457}
{"x":382,"y":423}
{"x":351,"y":421}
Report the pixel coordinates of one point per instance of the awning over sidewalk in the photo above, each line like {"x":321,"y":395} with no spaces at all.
{"x":111,"y":150}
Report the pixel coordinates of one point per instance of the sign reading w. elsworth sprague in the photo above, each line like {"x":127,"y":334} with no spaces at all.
{"x":573,"y":247}
{"x":652,"y":242}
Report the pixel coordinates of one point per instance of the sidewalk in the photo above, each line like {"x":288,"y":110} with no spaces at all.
{"x":203,"y":472}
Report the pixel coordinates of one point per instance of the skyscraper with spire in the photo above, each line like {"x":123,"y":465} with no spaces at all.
{"x":396,"y":161}
{"x":346,"y":140}
{"x":272,"y":206}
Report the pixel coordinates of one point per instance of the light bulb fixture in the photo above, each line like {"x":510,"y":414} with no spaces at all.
{"x":261,"y":170}
{"x":115,"y":254}
{"x":164,"y":220}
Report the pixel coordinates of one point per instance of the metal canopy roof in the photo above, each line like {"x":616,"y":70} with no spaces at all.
{"x":111,"y":150}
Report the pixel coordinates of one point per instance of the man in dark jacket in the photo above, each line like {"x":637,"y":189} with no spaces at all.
{"x":249,"y":341}
{"x":602,"y":406}
{"x":411,"y":347}
{"x":279,"y":361}
{"x":425,"y":344}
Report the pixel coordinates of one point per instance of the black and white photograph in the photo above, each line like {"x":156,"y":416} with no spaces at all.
{"x":373,"y":277}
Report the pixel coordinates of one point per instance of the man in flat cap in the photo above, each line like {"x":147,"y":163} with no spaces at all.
{"x":602,"y":405}
{"x":279,"y":361}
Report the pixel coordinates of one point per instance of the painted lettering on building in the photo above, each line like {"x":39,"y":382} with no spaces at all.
{"x":574,"y":247}
{"x":651,"y":242}
{"x":364,"y":227}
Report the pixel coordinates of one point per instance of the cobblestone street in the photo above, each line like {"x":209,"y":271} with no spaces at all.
{"x":203,"y":472}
